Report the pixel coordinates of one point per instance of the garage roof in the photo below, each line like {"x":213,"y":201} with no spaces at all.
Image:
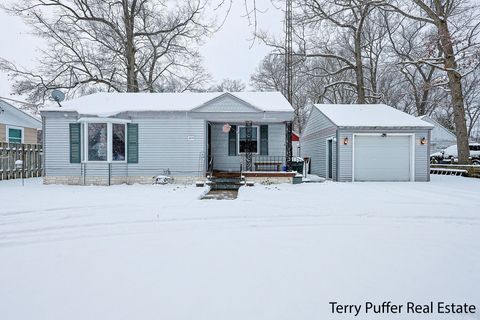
{"x":369,"y":115}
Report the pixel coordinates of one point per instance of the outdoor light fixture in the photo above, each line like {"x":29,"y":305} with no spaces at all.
{"x":345,"y":140}
{"x":423,"y":140}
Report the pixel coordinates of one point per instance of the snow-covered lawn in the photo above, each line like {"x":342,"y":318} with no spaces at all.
{"x":277,"y":252}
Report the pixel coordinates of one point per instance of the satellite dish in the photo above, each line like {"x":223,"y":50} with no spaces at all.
{"x":58,"y":96}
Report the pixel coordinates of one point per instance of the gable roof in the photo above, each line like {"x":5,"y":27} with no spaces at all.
{"x":9,"y":114}
{"x":369,"y":115}
{"x":109,"y":104}
{"x":439,"y":129}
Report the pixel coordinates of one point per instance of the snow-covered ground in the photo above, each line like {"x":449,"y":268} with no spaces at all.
{"x":277,"y":252}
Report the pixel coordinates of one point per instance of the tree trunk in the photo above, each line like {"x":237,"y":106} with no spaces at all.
{"x":359,"y":69}
{"x":132,"y":81}
{"x":455,"y":84}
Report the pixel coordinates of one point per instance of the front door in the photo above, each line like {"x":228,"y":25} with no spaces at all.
{"x":329,"y":158}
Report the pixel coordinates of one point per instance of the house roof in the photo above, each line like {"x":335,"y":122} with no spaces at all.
{"x":369,"y":115}
{"x":11,"y":115}
{"x":439,"y":130}
{"x":108,"y":104}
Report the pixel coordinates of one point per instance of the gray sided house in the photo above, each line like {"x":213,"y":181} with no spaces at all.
{"x":441,"y":137}
{"x":112,"y":138}
{"x":366,"y":143}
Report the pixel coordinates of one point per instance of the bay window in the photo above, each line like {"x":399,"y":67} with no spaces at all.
{"x":104,"y":141}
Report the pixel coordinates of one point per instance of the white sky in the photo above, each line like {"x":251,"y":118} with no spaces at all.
{"x":226,"y":55}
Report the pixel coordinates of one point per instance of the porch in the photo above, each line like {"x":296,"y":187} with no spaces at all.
{"x":244,"y":147}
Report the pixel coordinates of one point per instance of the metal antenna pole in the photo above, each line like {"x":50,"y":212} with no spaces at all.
{"x":288,"y":51}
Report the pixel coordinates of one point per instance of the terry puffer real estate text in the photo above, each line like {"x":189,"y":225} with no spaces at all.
{"x":388,"y":307}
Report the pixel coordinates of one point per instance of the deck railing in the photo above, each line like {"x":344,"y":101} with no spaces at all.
{"x":30,"y":156}
{"x":264,"y":163}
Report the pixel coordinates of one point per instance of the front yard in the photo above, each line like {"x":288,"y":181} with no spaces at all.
{"x":277,"y":252}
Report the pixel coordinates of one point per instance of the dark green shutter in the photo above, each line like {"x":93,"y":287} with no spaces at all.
{"x":132,"y":142}
{"x":75,"y":147}
{"x":232,"y":141}
{"x":264,"y":140}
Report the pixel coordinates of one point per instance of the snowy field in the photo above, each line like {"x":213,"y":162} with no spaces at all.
{"x":277,"y":252}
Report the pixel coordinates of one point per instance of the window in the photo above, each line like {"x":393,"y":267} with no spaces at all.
{"x":97,"y":141}
{"x":242,"y":140}
{"x":118,"y":142}
{"x":14,"y":135}
{"x":104,"y":141}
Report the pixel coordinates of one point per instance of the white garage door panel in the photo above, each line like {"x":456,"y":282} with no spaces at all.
{"x":380,"y":158}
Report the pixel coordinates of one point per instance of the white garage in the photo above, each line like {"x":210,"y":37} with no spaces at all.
{"x":366,"y":143}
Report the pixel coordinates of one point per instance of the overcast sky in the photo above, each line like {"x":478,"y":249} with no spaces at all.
{"x":226,"y":55}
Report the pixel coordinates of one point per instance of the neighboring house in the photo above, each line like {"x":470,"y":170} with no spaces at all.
{"x":366,"y":143}
{"x":441,"y":138}
{"x":110,"y":138}
{"x":17,"y":126}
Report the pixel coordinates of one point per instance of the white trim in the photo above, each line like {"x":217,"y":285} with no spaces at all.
{"x":7,"y":136}
{"x":109,"y":142}
{"x":412,"y":150}
{"x":103,"y":120}
{"x":327,"y":160}
{"x":238,"y":139}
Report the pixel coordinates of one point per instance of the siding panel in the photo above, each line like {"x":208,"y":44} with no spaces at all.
{"x":313,"y":142}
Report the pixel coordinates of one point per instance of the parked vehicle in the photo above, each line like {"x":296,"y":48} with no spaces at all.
{"x":436,"y":157}
{"x":450,"y":154}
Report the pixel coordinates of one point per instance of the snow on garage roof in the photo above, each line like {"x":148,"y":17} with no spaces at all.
{"x":108,"y":104}
{"x":369,"y":115}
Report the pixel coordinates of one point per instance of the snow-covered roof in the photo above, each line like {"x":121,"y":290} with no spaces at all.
{"x":10,"y":114}
{"x":369,"y":115}
{"x":108,"y":104}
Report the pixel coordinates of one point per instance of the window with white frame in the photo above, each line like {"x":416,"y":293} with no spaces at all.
{"x":242,"y":139}
{"x":104,"y":141}
{"x":118,"y":142}
{"x":14,"y":135}
{"x":97,"y":136}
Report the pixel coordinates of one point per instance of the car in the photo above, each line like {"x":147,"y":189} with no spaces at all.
{"x":451,"y":153}
{"x":436,"y":157}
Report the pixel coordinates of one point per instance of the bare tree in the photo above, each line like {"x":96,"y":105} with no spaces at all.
{"x":119,"y":45}
{"x":456,"y":25}
{"x":230,"y":85}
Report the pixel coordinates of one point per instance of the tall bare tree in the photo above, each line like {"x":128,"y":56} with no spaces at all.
{"x":120,"y":45}
{"x":456,"y":24}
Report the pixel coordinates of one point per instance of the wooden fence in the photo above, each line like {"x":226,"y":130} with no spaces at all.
{"x":30,"y":154}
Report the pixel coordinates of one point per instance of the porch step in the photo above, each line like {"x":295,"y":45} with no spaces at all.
{"x":224,"y":174}
{"x":225,"y":183}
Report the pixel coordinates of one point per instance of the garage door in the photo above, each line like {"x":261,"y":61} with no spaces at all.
{"x":380,"y":158}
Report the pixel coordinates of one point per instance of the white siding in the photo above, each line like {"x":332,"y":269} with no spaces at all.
{"x":226,"y":104}
{"x":176,"y":145}
{"x":313,"y":142}
{"x":56,"y":146}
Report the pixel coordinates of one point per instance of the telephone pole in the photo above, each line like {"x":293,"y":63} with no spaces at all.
{"x":288,"y":51}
